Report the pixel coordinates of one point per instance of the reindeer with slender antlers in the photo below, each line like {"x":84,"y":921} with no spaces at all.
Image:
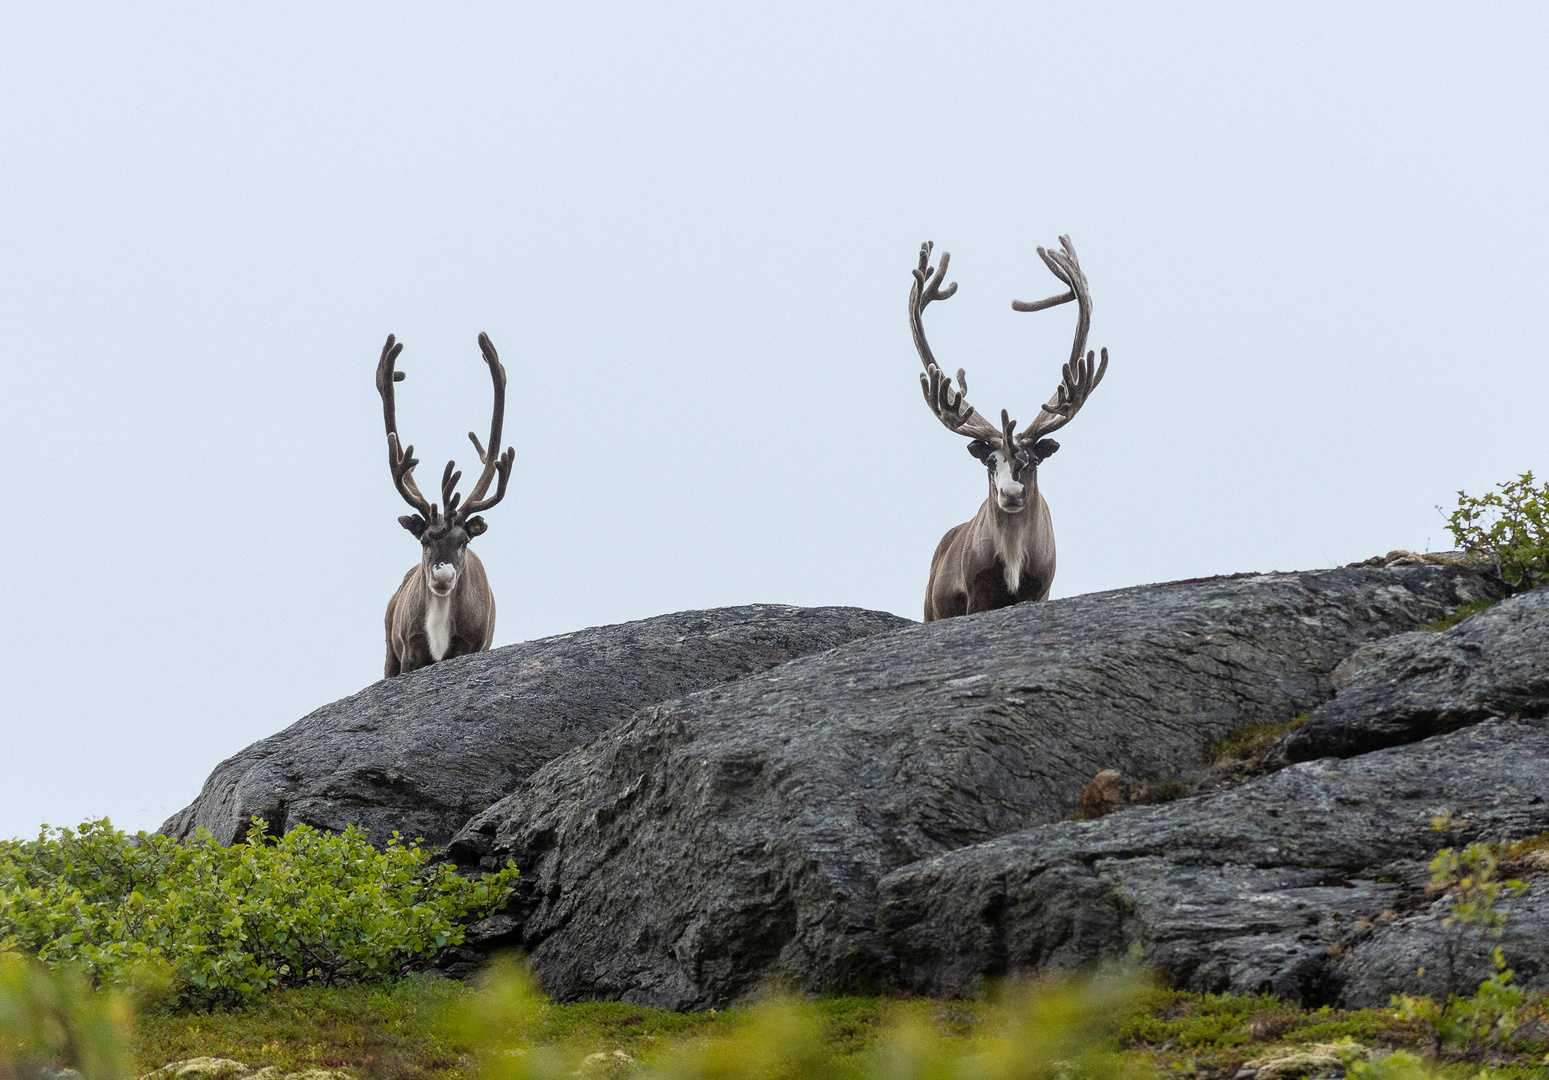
{"x":444,"y":607}
{"x":1005,"y":555}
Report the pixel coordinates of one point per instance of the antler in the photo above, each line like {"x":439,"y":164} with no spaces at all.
{"x":950,"y":406}
{"x":492,"y":465}
{"x":1079,"y":376}
{"x":400,"y":461}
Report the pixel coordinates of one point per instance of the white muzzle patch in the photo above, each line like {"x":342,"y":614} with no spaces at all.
{"x":442,"y":578}
{"x":1010,"y":495}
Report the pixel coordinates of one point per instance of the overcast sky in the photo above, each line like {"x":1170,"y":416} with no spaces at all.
{"x":1317,"y":240}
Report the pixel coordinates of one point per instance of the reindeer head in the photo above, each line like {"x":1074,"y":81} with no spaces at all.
{"x":444,"y":537}
{"x":1011,"y":458}
{"x":1013,"y":468}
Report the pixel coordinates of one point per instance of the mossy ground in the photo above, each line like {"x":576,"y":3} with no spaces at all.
{"x":1248,"y":743}
{"x":1457,"y":615}
{"x":1211,"y":1035}
{"x":400,"y":1031}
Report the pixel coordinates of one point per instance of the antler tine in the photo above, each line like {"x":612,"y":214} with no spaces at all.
{"x":950,"y":406}
{"x":1079,"y":376}
{"x":1055,"y":262}
{"x":449,"y":494}
{"x":400,"y":459}
{"x":927,"y":289}
{"x":492,"y":465}
{"x":1008,"y":428}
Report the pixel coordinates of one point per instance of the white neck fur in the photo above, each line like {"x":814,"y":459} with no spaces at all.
{"x":1012,"y":533}
{"x":438,"y":624}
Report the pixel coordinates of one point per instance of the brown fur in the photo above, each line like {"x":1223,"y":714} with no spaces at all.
{"x":966,"y":572}
{"x":471,"y":621}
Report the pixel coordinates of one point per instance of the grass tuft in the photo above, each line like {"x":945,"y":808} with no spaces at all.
{"x":1514,"y":850}
{"x":1457,"y":615}
{"x":1249,"y":743}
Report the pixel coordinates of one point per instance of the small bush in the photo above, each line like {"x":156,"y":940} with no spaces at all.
{"x":1488,"y":1019}
{"x":218,"y":924}
{"x":1510,"y":526}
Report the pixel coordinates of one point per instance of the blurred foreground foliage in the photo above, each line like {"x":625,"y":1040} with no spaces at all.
{"x":55,"y":1018}
{"x":1111,"y":1025}
{"x":299,"y":952}
{"x":199,"y":923}
{"x":424,"y":1028}
{"x":1055,"y":1027}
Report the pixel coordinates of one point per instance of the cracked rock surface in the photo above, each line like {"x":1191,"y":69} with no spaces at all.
{"x":1493,"y":664}
{"x":708,"y":842}
{"x":1258,"y":888}
{"x":423,"y":752}
{"x":1420,"y":954}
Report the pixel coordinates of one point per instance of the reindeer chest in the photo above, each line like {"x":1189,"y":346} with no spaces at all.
{"x":438,"y":626}
{"x":1011,"y":542}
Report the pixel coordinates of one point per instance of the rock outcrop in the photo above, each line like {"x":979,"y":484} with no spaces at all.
{"x":423,"y":752}
{"x":1493,"y":664}
{"x":706,"y":843}
{"x":1262,"y":887}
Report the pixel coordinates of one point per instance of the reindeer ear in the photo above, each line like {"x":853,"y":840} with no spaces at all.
{"x":1045,"y":448}
{"x":475,"y":526}
{"x":980,"y":449}
{"x":415,"y":524}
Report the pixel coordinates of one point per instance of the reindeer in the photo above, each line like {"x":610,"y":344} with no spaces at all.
{"x":1005,"y":555}
{"x":444,"y":607}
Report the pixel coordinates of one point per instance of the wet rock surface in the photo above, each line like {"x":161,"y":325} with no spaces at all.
{"x":1493,"y":664}
{"x":706,"y":843}
{"x":423,"y":752}
{"x":1261,"y":888}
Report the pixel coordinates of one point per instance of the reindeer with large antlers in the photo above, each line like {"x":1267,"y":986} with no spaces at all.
{"x":444,"y":607}
{"x":1006,"y":553}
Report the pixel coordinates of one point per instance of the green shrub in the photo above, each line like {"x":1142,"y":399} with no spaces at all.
{"x":1510,"y":526}
{"x":222,"y":924}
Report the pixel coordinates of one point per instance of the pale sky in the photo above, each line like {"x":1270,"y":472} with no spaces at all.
{"x":1317,"y":239}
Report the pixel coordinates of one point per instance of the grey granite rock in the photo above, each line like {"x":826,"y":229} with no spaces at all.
{"x":1495,"y":663}
{"x":1373,"y":656}
{"x":1420,"y":954}
{"x":1242,"y":891}
{"x":423,"y":752}
{"x":709,"y":842}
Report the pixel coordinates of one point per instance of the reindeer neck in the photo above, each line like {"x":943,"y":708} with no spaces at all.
{"x":438,"y":623}
{"x":1012,"y":536}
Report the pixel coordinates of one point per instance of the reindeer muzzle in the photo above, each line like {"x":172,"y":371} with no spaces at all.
{"x":442,"y":578}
